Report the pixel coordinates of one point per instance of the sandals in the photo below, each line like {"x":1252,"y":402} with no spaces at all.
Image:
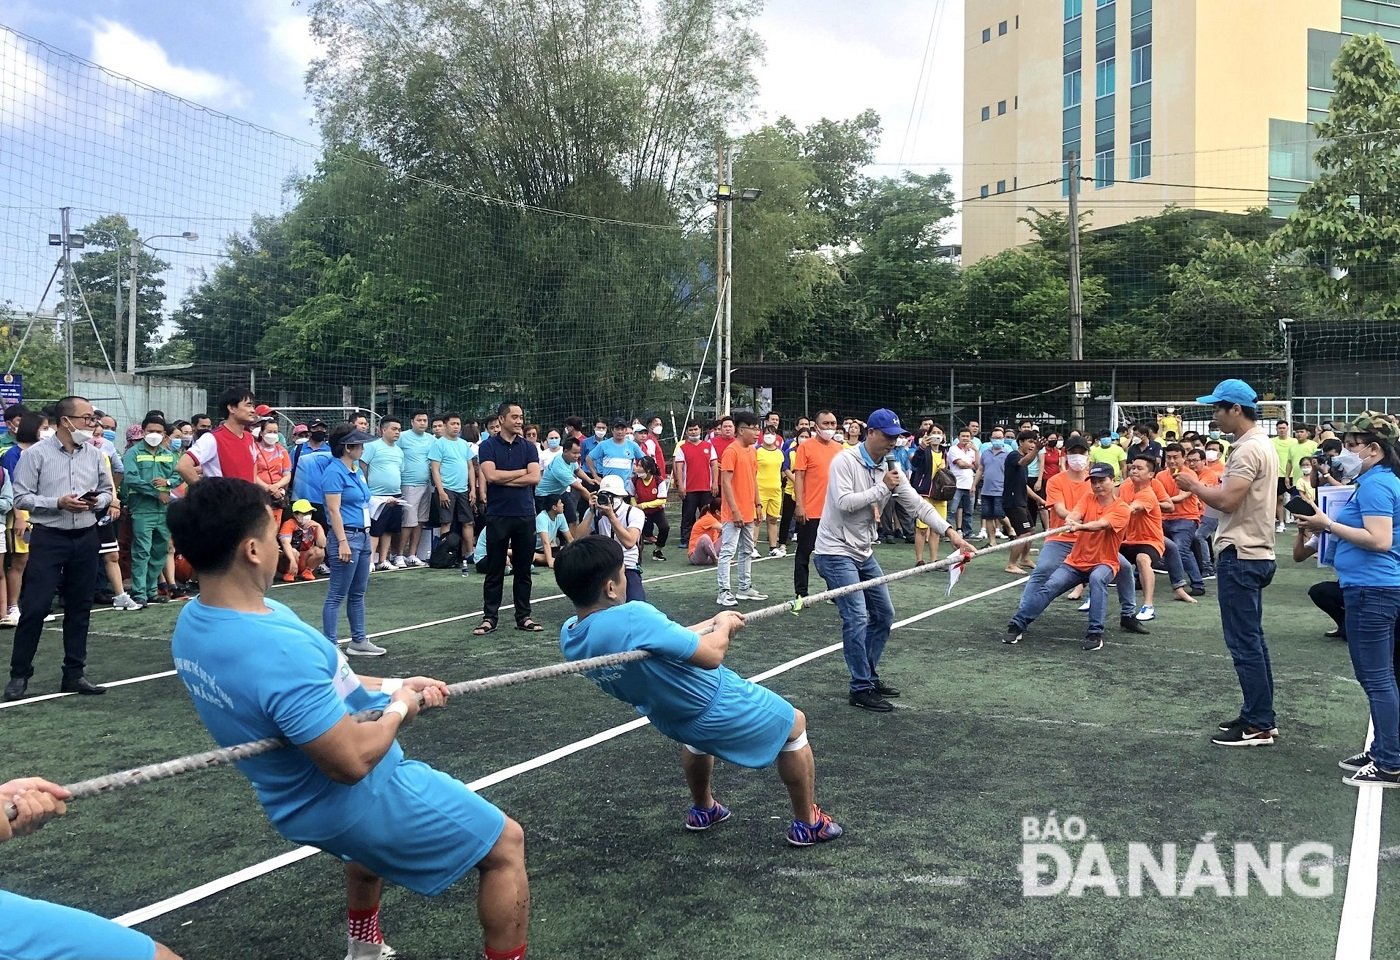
{"x":529,"y":626}
{"x":486,"y":626}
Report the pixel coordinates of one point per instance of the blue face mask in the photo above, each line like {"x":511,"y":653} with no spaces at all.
{"x":552,"y":443}
{"x":996,"y":446}
{"x":176,"y":443}
{"x":1215,"y":434}
{"x":110,"y":436}
{"x":1105,"y":442}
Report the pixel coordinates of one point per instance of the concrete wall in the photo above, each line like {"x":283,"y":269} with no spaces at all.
{"x":130,"y":396}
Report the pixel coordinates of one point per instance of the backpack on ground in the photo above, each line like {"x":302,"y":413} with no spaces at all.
{"x":447,"y":554}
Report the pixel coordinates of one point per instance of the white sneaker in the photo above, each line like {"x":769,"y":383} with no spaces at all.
{"x":753,"y":554}
{"x":385,"y":566}
{"x":399,"y":563}
{"x":414,"y":562}
{"x":979,"y":535}
{"x":1083,"y":606}
{"x":364,"y":950}
{"x":323,"y":571}
{"x":1148,"y":612}
{"x":726,"y":599}
{"x":364,"y":648}
{"x":11,"y":619}
{"x":750,"y":594}
{"x":1002,"y":536}
{"x":780,"y":551}
{"x":123,"y":601}
{"x":1278,"y":528}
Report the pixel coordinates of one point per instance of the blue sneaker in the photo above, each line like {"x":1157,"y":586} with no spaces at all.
{"x":807,"y":834}
{"x":698,"y":819}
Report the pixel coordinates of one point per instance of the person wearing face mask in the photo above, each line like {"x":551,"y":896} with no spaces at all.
{"x":615,"y":457}
{"x":600,"y":433}
{"x":926,"y":461}
{"x":993,"y":469}
{"x":967,"y":471}
{"x":811,"y":470}
{"x":649,"y":439}
{"x":549,"y":449}
{"x":768,"y":458}
{"x":651,"y":500}
{"x":697,"y":475}
{"x":227,"y":450}
{"x":303,"y":543}
{"x":147,"y":479}
{"x":309,"y":463}
{"x":562,"y":480}
{"x":1106,"y":450}
{"x":416,"y":442}
{"x":1363,"y":545}
{"x":1212,"y":462}
{"x":272,"y":465}
{"x":347,"y":544}
{"x":63,"y":484}
{"x":32,"y":428}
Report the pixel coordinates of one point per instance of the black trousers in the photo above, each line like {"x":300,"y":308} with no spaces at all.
{"x":518,"y":535}
{"x":785,"y":528}
{"x":806,"y":540}
{"x":656,"y":522}
{"x":58,"y":560}
{"x":691,"y":505}
{"x":1327,"y":597}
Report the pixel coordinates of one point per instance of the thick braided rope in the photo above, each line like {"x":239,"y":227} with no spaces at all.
{"x":243,"y":751}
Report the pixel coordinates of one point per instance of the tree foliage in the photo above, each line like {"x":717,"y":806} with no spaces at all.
{"x":101,"y":298}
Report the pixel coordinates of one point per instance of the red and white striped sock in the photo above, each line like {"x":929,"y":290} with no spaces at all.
{"x":364,"y":925}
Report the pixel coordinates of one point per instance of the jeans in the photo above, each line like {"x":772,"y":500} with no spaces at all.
{"x":1062,"y":580}
{"x":1036,"y":596}
{"x":1205,"y":549}
{"x":348,"y":580}
{"x":866,"y":615}
{"x":58,"y":560}
{"x":1371,"y":614}
{"x":806,"y":541}
{"x":961,"y":500}
{"x":518,"y":535}
{"x":737,"y":536}
{"x":1240,"y":589}
{"x":1182,"y":534}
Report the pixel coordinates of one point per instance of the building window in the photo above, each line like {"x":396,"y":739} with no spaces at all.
{"x":1074,"y":92}
{"x":1073,"y":8}
{"x":985,"y":191}
{"x":986,"y":113}
{"x":1142,"y":64}
{"x":1102,"y":3}
{"x":1140,"y":160}
{"x":1001,"y":108}
{"x":1104,"y":77}
{"x":987,"y":35}
{"x":1103,"y":169}
{"x":1001,"y":186}
{"x":1001,"y":29}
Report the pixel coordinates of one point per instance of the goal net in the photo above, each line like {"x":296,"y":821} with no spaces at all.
{"x":1179,"y":417}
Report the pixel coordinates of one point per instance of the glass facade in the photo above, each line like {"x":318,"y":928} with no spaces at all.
{"x":1073,"y":73}
{"x":1105,"y":85}
{"x":1140,"y":91}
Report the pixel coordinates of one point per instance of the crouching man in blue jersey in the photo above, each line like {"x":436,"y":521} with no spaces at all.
{"x":254,"y":670}
{"x":35,"y":930}
{"x":685,"y":691}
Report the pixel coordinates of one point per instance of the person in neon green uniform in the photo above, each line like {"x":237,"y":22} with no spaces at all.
{"x":146,"y":483}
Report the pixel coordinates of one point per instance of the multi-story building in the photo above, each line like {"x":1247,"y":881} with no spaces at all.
{"x":1205,"y":104}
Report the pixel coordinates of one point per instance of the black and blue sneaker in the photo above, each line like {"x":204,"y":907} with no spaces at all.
{"x":698,"y":819}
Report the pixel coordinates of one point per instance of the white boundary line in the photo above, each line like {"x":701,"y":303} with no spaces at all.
{"x":382,"y":633}
{"x":203,"y":891}
{"x":1363,"y":866}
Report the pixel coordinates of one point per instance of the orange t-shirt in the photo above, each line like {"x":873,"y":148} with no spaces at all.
{"x":308,"y":534}
{"x":814,"y":458}
{"x":1067,"y":492}
{"x":1093,"y":548}
{"x":706,"y":525}
{"x":1188,"y":509}
{"x":742,"y":463}
{"x":1145,"y":529}
{"x":1212,"y":472}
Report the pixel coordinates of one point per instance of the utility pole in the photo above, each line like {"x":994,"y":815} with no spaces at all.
{"x":131,"y":266}
{"x":729,"y":279}
{"x":67,"y":302}
{"x":117,"y":318}
{"x":721,"y":287}
{"x":1076,"y":305}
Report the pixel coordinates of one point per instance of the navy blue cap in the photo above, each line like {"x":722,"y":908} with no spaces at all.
{"x":1101,"y":471}
{"x":887,"y":422}
{"x":1232,"y":391}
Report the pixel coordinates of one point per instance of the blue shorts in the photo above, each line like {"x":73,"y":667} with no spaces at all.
{"x":747,"y":725}
{"x":423,"y":830}
{"x":35,"y":930}
{"x":992,"y":506}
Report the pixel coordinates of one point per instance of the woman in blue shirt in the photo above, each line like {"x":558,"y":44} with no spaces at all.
{"x":347,"y":539}
{"x":1364,"y":547}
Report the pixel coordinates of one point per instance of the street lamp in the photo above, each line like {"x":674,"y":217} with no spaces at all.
{"x":723,"y":199}
{"x":136,"y":244}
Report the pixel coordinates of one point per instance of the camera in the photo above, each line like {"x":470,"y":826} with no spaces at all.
{"x":605,"y":499}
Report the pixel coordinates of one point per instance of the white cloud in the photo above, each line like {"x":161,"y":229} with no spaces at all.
{"x":121,"y":50}
{"x":291,"y":46}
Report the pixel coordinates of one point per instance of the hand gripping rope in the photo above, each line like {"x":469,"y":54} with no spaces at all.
{"x":243,"y":751}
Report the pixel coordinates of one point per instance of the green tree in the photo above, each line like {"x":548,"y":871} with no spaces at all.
{"x":103,"y":271}
{"x":40,"y":360}
{"x":1227,"y":301}
{"x":1347,"y":221}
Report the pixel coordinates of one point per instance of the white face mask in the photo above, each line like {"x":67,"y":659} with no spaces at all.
{"x":1212,"y":456}
{"x":81,"y":437}
{"x":47,"y":432}
{"x":600,"y":433}
{"x":154,"y":439}
{"x":656,"y":429}
{"x":269,"y":439}
{"x":1077,"y":461}
{"x":825,"y":434}
{"x":256,"y":432}
{"x":901,"y":442}
{"x":770,"y":439}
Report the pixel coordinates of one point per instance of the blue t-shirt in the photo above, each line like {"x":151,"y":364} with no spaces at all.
{"x":453,"y":458}
{"x":37,"y":930}
{"x":993,"y":471}
{"x":552,"y":528}
{"x":385,"y":468}
{"x":10,"y":459}
{"x":354,"y":495}
{"x":1377,"y":495}
{"x":503,"y":500}
{"x":611,"y":458}
{"x":556,"y":478}
{"x":666,"y":687}
{"x":415,"y":447}
{"x":291,"y":683}
{"x":586,"y":447}
{"x":310,"y":465}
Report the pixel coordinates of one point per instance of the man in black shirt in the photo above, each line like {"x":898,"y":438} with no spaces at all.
{"x":1017,"y":496}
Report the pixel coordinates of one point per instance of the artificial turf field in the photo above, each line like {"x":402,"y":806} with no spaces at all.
{"x":932,"y":796}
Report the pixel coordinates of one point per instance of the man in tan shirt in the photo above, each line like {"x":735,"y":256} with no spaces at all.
{"x":1244,"y":545}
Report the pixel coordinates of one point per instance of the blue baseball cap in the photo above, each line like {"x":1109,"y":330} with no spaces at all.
{"x":887,"y":422}
{"x":1231,"y":391}
{"x":1101,"y":471}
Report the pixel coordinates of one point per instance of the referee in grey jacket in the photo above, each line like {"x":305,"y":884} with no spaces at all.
{"x":862,"y":481}
{"x":62,"y":483}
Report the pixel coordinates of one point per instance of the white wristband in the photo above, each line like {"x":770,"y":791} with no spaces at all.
{"x":390,"y":685}
{"x":398,"y":707}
